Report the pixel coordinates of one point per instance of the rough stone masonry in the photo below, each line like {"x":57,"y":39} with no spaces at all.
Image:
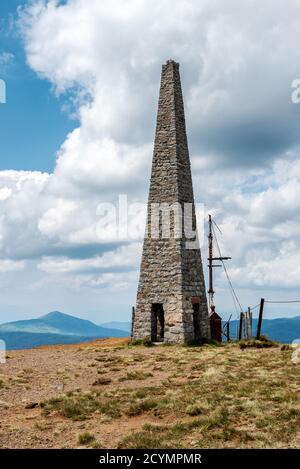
{"x":171,"y":300}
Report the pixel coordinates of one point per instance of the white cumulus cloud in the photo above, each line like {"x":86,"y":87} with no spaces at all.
{"x":104,"y":58}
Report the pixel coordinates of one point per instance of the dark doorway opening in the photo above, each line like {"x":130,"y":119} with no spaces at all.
{"x":158,"y":323}
{"x":196,"y":320}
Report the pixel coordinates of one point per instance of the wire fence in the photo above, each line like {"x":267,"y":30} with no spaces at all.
{"x":254,"y":321}
{"x":248,"y":322}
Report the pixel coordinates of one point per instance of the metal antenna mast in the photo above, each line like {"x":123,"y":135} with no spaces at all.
{"x":211,"y":265}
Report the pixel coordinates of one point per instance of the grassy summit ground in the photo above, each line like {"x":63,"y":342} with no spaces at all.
{"x":108,"y":395}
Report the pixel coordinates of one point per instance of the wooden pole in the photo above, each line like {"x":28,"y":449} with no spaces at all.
{"x":260,"y":317}
{"x":228,"y":331}
{"x":251,"y":331}
{"x":249,"y":323}
{"x":241,"y":326}
{"x":246,"y":325}
{"x":210,"y":264}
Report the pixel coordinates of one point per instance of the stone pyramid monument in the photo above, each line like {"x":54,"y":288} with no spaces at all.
{"x":171,"y":300}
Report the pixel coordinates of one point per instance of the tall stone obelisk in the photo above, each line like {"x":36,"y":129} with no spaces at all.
{"x":171,"y":300}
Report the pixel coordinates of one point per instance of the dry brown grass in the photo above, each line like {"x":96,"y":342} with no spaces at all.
{"x":158,"y":397}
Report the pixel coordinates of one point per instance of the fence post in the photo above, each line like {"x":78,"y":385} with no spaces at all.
{"x":246,"y":325}
{"x":228,"y":331}
{"x":241,"y":325}
{"x":260,"y":317}
{"x":248,"y":322}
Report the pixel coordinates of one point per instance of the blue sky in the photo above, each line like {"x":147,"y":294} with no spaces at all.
{"x":243,"y":129}
{"x":32,"y":124}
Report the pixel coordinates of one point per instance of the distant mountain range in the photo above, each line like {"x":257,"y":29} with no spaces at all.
{"x":54,"y":328}
{"x":60,"y":328}
{"x":123,"y":326}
